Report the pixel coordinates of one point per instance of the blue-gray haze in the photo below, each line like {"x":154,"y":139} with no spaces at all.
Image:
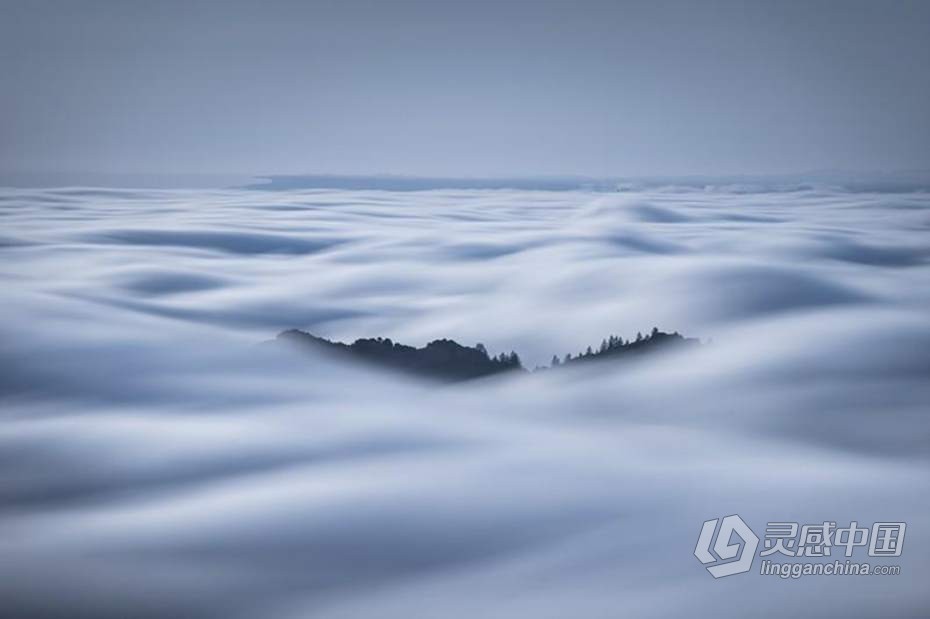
{"x":157,"y":461}
{"x":477,"y":88}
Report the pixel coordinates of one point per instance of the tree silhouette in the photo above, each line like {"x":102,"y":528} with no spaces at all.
{"x":442,"y":359}
{"x":616,"y":347}
{"x":448,"y":360}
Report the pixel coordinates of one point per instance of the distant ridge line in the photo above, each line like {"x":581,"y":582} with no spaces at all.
{"x":446,"y":359}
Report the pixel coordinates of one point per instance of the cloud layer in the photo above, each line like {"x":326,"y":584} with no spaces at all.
{"x":155,"y":462}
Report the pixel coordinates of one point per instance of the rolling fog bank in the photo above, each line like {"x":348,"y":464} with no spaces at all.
{"x":156,"y":461}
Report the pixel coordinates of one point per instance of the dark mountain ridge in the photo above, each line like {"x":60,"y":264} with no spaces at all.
{"x":450,"y":361}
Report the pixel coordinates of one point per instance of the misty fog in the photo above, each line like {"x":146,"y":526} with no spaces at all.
{"x":156,"y":460}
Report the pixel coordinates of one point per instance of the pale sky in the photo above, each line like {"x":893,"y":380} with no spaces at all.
{"x":476,"y":88}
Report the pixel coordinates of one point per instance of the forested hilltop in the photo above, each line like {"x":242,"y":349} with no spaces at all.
{"x":446,"y":359}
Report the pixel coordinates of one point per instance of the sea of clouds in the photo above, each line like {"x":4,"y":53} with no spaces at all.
{"x":157,"y":461}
